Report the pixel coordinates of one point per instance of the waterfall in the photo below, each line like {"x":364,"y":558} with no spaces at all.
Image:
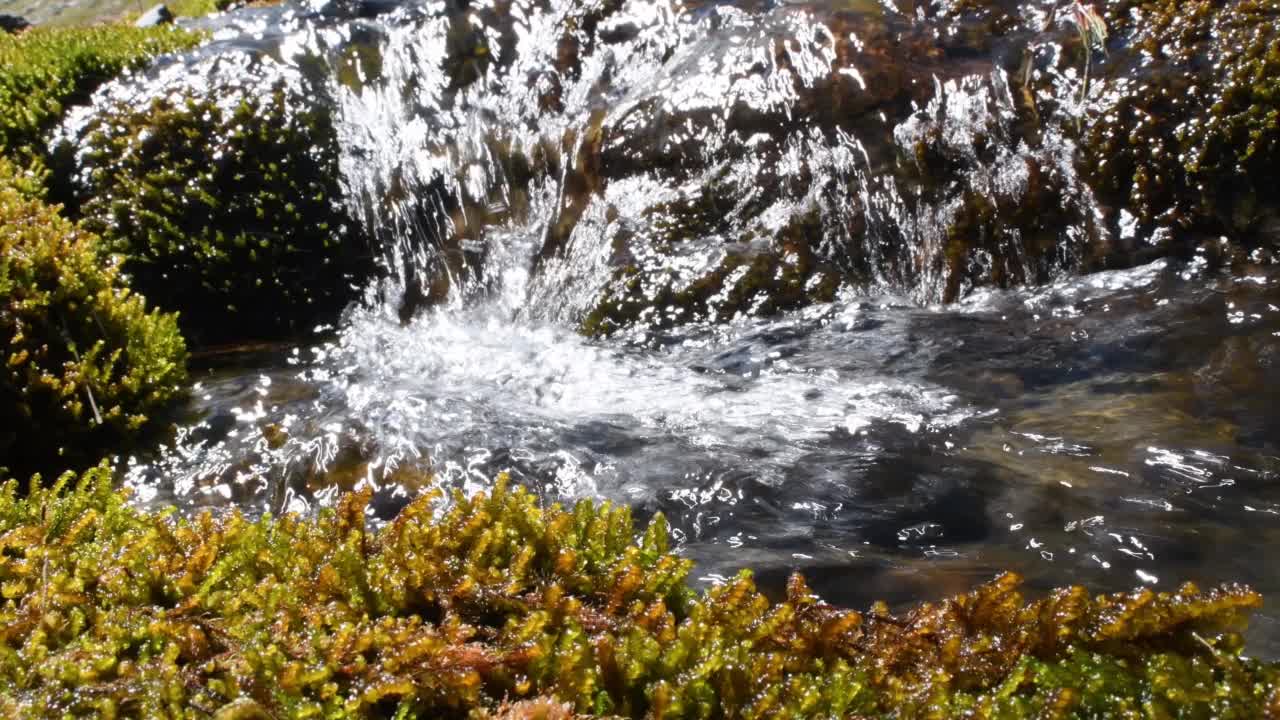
{"x":621,"y":164}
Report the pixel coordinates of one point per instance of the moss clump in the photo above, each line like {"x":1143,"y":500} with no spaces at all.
{"x":1190,"y":137}
{"x":226,"y":205}
{"x":112,"y":612}
{"x":199,"y":8}
{"x":84,"y":364}
{"x":45,"y":70}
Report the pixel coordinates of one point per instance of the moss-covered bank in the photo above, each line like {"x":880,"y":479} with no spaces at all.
{"x":84,"y":364}
{"x":45,"y":70}
{"x":111,"y":612}
{"x":73,"y":13}
{"x":87,"y":366}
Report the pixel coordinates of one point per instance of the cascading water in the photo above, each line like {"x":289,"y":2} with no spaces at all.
{"x":686,"y":256}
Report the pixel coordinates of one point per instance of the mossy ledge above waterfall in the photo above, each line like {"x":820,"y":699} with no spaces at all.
{"x":84,"y":364}
{"x":501,"y":604}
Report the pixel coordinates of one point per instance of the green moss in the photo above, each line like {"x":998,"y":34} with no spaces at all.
{"x":227,"y":206}
{"x":45,"y":70}
{"x":198,"y":8}
{"x":110,"y":612}
{"x":85,"y":364}
{"x":1192,"y":138}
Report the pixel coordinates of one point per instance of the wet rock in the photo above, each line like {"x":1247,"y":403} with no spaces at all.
{"x":828,"y":150}
{"x":1181,"y":131}
{"x":13,"y":23}
{"x":659,"y":165}
{"x":158,"y":15}
{"x":351,"y":8}
{"x":980,"y":182}
{"x":991,"y":209}
{"x":758,"y":277}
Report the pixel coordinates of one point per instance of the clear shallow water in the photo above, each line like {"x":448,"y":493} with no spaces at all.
{"x":1113,"y":429}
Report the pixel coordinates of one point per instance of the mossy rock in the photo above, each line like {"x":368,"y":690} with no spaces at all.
{"x":86,"y":366}
{"x":498,"y":603}
{"x":994,"y":207}
{"x":45,"y":70}
{"x":1192,"y":139}
{"x":745,"y":282}
{"x":227,"y":207}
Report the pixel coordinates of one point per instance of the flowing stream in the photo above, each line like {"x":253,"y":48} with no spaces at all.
{"x":800,"y":375}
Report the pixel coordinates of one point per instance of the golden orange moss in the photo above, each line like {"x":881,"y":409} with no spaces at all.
{"x":109,"y":611}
